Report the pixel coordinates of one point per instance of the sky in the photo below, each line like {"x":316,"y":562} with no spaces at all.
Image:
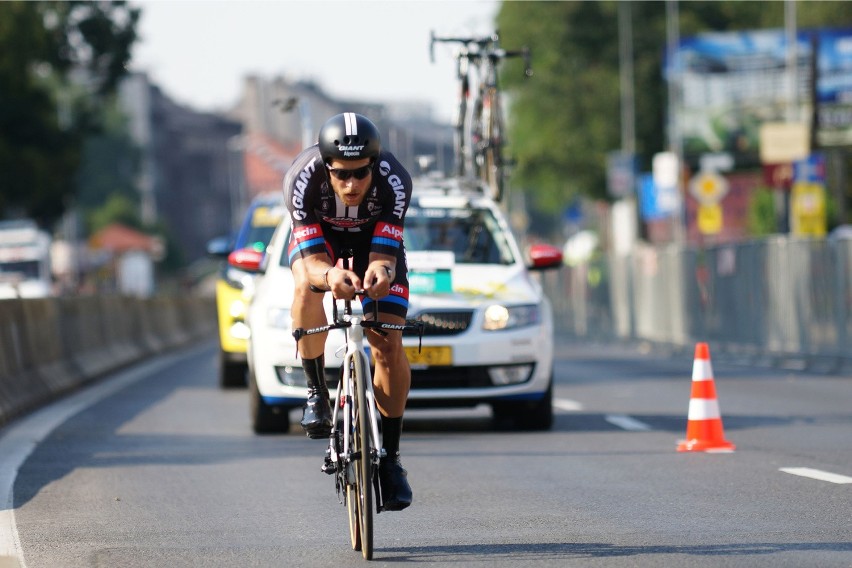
{"x":198,"y":51}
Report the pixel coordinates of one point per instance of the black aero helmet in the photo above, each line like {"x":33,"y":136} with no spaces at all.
{"x":349,"y":136}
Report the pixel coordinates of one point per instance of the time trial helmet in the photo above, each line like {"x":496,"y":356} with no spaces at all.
{"x":349,"y":136}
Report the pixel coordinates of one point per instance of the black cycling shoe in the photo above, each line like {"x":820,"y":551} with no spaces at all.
{"x":396,"y":492}
{"x":316,"y":415}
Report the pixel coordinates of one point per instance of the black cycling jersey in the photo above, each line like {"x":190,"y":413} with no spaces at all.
{"x":322,"y":223}
{"x":315,"y":209}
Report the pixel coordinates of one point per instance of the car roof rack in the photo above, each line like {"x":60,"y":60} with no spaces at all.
{"x":438,"y":183}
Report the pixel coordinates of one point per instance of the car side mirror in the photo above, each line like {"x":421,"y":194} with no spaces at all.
{"x":544,"y":257}
{"x":246,"y":259}
{"x":219,"y":247}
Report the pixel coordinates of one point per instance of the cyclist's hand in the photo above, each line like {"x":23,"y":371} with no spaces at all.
{"x":377,"y":282}
{"x":343,"y":283}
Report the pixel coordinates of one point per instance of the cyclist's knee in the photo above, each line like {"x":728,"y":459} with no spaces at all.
{"x":303,"y":295}
{"x":388,"y":351}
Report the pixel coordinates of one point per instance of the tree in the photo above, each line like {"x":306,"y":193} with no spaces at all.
{"x":564,"y":121}
{"x":109,"y":163}
{"x":59,"y":61}
{"x":116,"y":209}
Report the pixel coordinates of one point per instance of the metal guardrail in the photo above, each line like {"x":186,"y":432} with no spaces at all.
{"x":783,"y":300}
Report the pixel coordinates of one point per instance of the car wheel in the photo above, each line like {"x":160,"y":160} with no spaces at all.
{"x":266,"y":419}
{"x":526,"y":415}
{"x":231,"y":374}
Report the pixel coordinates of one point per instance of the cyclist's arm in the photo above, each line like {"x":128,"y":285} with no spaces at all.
{"x":396,"y":196}
{"x":380,"y":274}
{"x":301,"y":183}
{"x":387,"y":234}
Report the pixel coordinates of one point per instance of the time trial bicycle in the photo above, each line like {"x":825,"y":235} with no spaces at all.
{"x":355,"y":444}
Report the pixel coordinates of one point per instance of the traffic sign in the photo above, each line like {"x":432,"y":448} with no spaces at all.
{"x":708,"y":187}
{"x":807,"y":209}
{"x":710,"y":219}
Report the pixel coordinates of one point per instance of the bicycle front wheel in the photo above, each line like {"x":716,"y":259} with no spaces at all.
{"x":365,"y":472}
{"x":359,"y":492}
{"x":351,"y":476}
{"x":352,"y":510}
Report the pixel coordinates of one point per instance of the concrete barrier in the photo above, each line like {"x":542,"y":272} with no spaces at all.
{"x":51,"y":346}
{"x":46,"y":342}
{"x":22,"y":386}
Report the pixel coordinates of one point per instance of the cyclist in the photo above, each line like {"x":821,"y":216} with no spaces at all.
{"x":346,"y":192}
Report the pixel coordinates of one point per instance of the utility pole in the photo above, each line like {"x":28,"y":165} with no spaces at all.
{"x":792,"y":62}
{"x":625,"y":56}
{"x":674,"y":131}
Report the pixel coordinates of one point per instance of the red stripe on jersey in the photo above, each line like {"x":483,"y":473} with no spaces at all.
{"x":307,"y":232}
{"x":399,"y":290}
{"x":388,"y":231}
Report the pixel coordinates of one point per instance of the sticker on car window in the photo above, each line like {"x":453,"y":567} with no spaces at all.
{"x":266,"y":216}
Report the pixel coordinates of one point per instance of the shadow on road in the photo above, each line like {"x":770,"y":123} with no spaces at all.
{"x":520,"y":552}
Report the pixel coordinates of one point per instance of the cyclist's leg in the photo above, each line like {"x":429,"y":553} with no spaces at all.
{"x":392,"y":377}
{"x":307,"y":312}
{"x":392,"y":380}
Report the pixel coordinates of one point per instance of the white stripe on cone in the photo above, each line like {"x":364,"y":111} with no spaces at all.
{"x":704,"y":409}
{"x":702,"y":370}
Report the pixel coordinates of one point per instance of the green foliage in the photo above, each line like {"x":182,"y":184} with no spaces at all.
{"x":117,"y":208}
{"x":761,"y":213}
{"x":566,"y":118}
{"x":44,"y":117}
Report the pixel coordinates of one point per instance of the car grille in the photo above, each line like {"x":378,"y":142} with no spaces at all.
{"x":443,"y":323}
{"x":454,"y":378}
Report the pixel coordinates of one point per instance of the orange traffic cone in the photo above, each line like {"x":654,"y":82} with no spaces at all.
{"x":704,"y":432}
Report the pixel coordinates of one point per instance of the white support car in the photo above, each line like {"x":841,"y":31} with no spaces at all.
{"x":488,"y":326}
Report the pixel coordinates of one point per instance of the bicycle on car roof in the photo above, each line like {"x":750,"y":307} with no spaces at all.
{"x":479,"y":135}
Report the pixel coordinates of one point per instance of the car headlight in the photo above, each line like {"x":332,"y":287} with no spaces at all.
{"x":279,"y":318}
{"x":237,"y":309}
{"x":499,"y":317}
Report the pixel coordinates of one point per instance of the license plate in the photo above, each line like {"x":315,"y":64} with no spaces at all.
{"x":430,"y":356}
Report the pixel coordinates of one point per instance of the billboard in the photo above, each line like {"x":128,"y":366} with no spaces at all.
{"x":733,"y":82}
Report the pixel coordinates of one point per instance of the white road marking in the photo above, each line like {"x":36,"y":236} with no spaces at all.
{"x":567,"y":405}
{"x":817,"y":474}
{"x":627,"y":423}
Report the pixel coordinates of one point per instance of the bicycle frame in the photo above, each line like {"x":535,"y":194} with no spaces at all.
{"x":355,"y":357}
{"x":355,"y":398}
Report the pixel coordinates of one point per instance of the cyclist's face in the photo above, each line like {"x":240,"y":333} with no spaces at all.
{"x":352,"y":190}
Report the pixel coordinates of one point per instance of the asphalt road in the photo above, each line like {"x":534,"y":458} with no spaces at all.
{"x":158,"y":467}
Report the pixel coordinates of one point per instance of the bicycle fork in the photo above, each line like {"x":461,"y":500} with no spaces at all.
{"x":339,"y":455}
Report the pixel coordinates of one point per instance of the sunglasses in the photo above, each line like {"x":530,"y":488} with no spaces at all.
{"x":357,"y":173}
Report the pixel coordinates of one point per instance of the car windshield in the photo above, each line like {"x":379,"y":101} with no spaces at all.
{"x":258,"y":227}
{"x":22,"y":269}
{"x":258,"y":238}
{"x":473,"y":235}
